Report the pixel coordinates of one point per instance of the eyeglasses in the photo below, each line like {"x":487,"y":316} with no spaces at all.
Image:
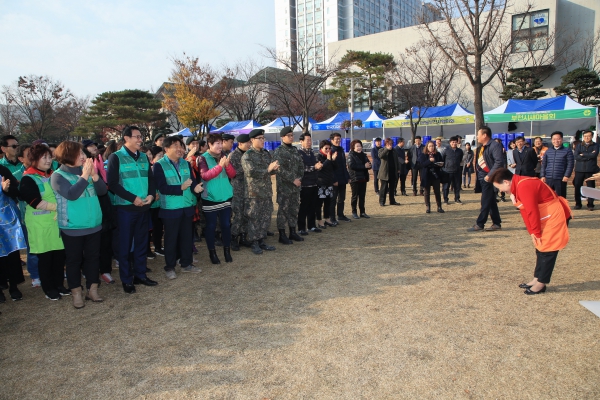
{"x":14,"y":146}
{"x":326,"y":148}
{"x":260,"y":138}
{"x":136,"y":137}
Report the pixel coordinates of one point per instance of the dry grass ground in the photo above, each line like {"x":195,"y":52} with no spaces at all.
{"x":403,"y":305}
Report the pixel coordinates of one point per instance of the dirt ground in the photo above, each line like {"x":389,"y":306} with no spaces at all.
{"x":403,"y":305}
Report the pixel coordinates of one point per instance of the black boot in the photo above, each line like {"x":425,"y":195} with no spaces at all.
{"x":213,"y":256}
{"x":295,"y":236}
{"x":265,"y":246}
{"x":428,"y":206}
{"x":227,"y":254}
{"x":283,"y":238}
{"x":234,"y":243}
{"x":244,"y":240}
{"x":256,"y":247}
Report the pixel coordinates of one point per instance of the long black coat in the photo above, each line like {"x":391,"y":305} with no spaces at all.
{"x":389,"y":162}
{"x":356,"y":166}
{"x":430,"y":171}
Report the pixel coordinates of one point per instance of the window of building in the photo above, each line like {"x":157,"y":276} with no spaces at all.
{"x":530,"y":31}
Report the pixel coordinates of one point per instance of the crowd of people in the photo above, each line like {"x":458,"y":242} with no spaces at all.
{"x":76,"y":207}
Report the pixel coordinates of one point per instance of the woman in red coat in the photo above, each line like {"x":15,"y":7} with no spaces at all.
{"x":546,"y":217}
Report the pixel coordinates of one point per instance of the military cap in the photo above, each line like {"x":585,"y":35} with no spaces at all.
{"x":227,"y":136}
{"x":190,"y":139}
{"x":88,"y":142}
{"x":157,"y":136}
{"x":256,"y":132}
{"x":243,"y":138}
{"x":286,"y":130}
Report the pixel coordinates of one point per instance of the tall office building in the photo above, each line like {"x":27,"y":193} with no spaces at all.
{"x":311,"y":24}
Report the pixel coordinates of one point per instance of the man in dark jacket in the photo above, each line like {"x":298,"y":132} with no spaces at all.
{"x":452,"y":158}
{"x":413,"y":161}
{"x":526,"y":159}
{"x":488,"y":158}
{"x":402,"y":166}
{"x":342,"y":178}
{"x":309,"y":190}
{"x":376,"y":163}
{"x":388,"y":172}
{"x":586,"y":157}
{"x":557,"y":165}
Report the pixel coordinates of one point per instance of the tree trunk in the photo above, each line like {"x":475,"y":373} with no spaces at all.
{"x":478,"y":104}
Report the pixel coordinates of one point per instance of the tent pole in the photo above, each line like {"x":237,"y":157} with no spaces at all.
{"x":531,"y":131}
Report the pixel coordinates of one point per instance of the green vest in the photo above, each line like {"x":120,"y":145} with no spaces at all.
{"x":55,"y":165}
{"x":42,"y":228}
{"x":16,"y":170}
{"x":83,"y":213}
{"x":170,"y":202}
{"x":133,"y":176}
{"x":218,"y":189}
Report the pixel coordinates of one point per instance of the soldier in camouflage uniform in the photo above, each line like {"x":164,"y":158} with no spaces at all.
{"x":289,"y":180}
{"x":239,"y":221}
{"x":258,"y":168}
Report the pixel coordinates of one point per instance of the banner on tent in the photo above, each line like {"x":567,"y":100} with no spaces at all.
{"x":405,"y":123}
{"x":541,"y":115}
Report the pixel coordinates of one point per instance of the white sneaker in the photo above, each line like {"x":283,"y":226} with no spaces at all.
{"x":190,"y":268}
{"x":171,"y":274}
{"x":107,"y":278}
{"x":36,"y":283}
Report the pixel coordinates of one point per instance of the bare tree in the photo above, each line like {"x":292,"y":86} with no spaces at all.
{"x":422,"y":79}
{"x":37,"y":99}
{"x":296,"y":89}
{"x":10,"y":118}
{"x":69,"y":116}
{"x":247,"y":98}
{"x":470,"y":30}
{"x":588,"y":53}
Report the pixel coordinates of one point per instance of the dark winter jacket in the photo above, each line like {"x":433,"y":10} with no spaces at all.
{"x":326,"y":175}
{"x":586,"y":157}
{"x":452,"y":159}
{"x":429,"y":171}
{"x":375,"y":161}
{"x":401,"y":154}
{"x":526,"y":161}
{"x":356,"y":166}
{"x":493,"y":154}
{"x":413,"y":155}
{"x":310,"y":173}
{"x":389,"y":168}
{"x":557,"y":163}
{"x":341,"y":172}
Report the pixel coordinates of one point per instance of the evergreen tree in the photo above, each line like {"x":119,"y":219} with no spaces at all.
{"x":523,"y":84}
{"x":581,"y":84}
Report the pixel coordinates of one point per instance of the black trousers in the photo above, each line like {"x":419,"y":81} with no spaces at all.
{"x":308,"y":202}
{"x":387,"y":188}
{"x":82,"y":253}
{"x":157,"y":229}
{"x":325,"y":205}
{"x":488,"y":205}
{"x":402,"y":181}
{"x":11,"y":269}
{"x":359,"y":189}
{"x":544,"y":265}
{"x":559,"y":187}
{"x":52,"y":271}
{"x":338,"y":199}
{"x":578,"y":183}
{"x":375,"y":180}
{"x":436,"y":192}
{"x":178,"y":240}
{"x":454,"y":179}
{"x":413,"y":179}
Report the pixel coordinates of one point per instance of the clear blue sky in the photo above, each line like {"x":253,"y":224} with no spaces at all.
{"x":109,"y":45}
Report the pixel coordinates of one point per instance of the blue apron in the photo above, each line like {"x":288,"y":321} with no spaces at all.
{"x":11,"y":233}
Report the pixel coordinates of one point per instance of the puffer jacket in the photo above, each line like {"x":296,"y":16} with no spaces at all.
{"x":356,"y":166}
{"x":557,"y":163}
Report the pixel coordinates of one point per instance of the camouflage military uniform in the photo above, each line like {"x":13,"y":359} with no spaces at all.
{"x":239,"y":221}
{"x":291,"y":167}
{"x":258,"y":192}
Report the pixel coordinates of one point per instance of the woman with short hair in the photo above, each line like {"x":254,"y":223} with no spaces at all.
{"x":468,"y":168}
{"x":77,"y":186}
{"x":41,"y":222}
{"x":216,"y":171}
{"x":358,"y":168}
{"x":431,"y":171}
{"x":325,"y":180}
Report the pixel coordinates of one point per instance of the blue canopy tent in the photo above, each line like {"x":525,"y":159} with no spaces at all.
{"x":371,"y":123}
{"x":184,"y":132}
{"x":542,"y":117}
{"x":276,"y":125}
{"x":237,"y":127}
{"x":447,"y":120}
